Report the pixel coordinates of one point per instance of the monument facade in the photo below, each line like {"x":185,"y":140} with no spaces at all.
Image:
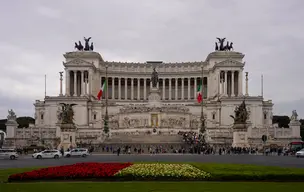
{"x":141,"y":106}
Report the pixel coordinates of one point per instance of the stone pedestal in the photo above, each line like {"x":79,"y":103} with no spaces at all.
{"x":154,"y":97}
{"x":294,"y":125}
{"x":67,"y":136}
{"x":240,"y":135}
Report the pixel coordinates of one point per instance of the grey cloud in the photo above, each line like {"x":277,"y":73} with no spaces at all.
{"x":37,"y":33}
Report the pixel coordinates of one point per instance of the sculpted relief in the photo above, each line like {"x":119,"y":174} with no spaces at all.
{"x":132,"y":123}
{"x":146,"y":109}
{"x":173,"y":122}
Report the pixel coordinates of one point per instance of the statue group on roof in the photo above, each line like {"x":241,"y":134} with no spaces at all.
{"x":220,"y":45}
{"x":86,"y":47}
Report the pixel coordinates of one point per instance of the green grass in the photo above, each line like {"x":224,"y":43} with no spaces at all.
{"x":153,"y":187}
{"x":241,"y":172}
{"x":219,"y":172}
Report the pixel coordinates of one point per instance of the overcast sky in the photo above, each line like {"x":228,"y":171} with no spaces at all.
{"x":35,"y":34}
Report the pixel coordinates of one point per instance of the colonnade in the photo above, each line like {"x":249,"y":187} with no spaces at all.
{"x":139,"y":88}
{"x":230,"y":83}
{"x":119,"y":88}
{"x":77,"y":82}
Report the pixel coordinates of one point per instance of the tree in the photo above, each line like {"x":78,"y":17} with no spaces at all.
{"x":283,"y":121}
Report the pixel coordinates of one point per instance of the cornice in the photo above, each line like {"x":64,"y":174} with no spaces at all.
{"x":83,"y":54}
{"x":224,"y":54}
{"x":79,"y":63}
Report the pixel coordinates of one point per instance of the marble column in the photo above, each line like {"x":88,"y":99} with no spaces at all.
{"x":82,"y":83}
{"x":75,"y":83}
{"x":176,"y":88}
{"x":86,"y":86}
{"x":138,"y":89}
{"x":164,"y":89}
{"x":189,"y":90}
{"x":225,"y":84}
{"x":67,"y":82}
{"x":90,"y":82}
{"x":183,"y":91}
{"x":232,"y":84}
{"x":132,"y":88}
{"x":119,"y":88}
{"x":145,"y":88}
{"x":126,"y":89}
{"x":240,"y":88}
{"x":170,"y":88}
{"x":113,"y":88}
{"x":195,"y":87}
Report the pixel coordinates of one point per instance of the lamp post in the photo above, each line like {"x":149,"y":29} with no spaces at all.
{"x":202,"y":131}
{"x":106,"y":119}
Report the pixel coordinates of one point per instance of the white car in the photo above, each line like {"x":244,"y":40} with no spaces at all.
{"x":47,"y":154}
{"x":8,"y":154}
{"x":300,"y":153}
{"x":78,"y":152}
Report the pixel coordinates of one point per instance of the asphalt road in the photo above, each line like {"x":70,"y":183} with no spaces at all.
{"x":281,"y":161}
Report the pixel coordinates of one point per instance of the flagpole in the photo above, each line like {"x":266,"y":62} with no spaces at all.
{"x":203,"y":128}
{"x":45,"y":86}
{"x":262,"y":86}
{"x":106,"y":125}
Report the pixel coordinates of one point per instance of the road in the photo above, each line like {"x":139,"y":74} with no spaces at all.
{"x":281,"y":161}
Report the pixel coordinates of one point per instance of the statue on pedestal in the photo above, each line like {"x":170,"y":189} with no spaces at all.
{"x":294,"y":116}
{"x":154,"y":78}
{"x":11,"y":115}
{"x":241,"y":114}
{"x":66,"y":116}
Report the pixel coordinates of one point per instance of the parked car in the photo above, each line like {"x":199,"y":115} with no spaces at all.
{"x":78,"y":152}
{"x":8,"y":154}
{"x":300,"y":153}
{"x":47,"y":154}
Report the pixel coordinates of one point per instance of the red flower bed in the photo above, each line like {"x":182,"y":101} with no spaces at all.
{"x":72,"y":172}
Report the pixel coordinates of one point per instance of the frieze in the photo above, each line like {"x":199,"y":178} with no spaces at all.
{"x":145,"y":109}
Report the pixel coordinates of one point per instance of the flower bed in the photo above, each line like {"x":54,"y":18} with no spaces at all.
{"x":159,"y":171}
{"x":76,"y":171}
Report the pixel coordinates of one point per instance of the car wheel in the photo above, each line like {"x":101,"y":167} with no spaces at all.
{"x":68,"y":155}
{"x":56,"y":157}
{"x":12,"y":157}
{"x":84,"y":155}
{"x":39,"y":157}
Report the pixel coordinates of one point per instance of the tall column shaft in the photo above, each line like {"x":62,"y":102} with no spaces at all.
{"x":132,"y":88}
{"x":67,"y":82}
{"x":183,"y":88}
{"x":164,"y":89}
{"x":189,"y":86}
{"x":176,"y":89}
{"x":232,"y":84}
{"x":225,"y":84}
{"x":240,"y":88}
{"x":145,"y":88}
{"x":82,"y":83}
{"x":195,"y":87}
{"x":138,"y":89}
{"x":90,"y":82}
{"x":126,"y":88}
{"x":119,"y":88}
{"x":75,"y":83}
{"x":86,"y":86}
{"x":113,"y":87}
{"x":170,"y":88}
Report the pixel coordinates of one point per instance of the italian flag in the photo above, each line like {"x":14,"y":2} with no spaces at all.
{"x":199,"y":96}
{"x":102,"y":90}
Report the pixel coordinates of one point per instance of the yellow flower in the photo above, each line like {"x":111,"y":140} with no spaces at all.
{"x":163,"y":170}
